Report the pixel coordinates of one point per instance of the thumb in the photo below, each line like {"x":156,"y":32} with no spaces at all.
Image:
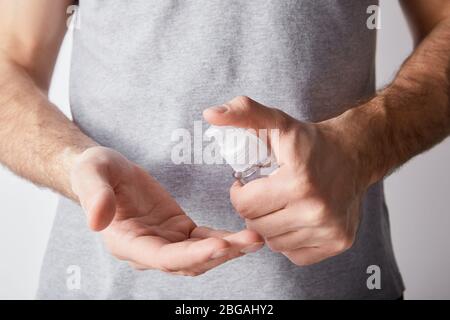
{"x":91,"y":184}
{"x":244,"y":112}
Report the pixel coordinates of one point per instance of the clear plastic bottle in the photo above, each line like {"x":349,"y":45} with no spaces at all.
{"x":246,"y":153}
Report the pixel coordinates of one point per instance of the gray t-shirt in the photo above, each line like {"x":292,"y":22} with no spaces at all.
{"x":142,"y":69}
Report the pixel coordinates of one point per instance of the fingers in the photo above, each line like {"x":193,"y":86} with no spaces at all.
{"x":274,"y":224}
{"x":96,"y":195}
{"x":308,"y":256}
{"x":305,"y":237}
{"x":157,"y":253}
{"x":239,"y":240}
{"x":243,"y":242}
{"x":205,"y":232}
{"x":186,"y":256}
{"x":206,"y":249}
{"x":288,"y":219}
{"x":259,"y":197}
{"x":244,"y":112}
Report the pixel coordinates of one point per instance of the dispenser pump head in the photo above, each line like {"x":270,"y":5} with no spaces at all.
{"x":240,"y":148}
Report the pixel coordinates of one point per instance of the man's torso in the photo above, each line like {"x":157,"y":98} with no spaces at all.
{"x":143,"y":69}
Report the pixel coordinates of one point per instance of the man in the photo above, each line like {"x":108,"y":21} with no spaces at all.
{"x":141,"y":69}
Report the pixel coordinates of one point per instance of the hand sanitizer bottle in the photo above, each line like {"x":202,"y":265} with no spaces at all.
{"x":246,"y":153}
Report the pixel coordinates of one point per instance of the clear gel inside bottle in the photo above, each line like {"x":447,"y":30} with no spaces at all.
{"x":245,"y":152}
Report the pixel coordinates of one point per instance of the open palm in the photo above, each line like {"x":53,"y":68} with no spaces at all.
{"x":141,"y":222}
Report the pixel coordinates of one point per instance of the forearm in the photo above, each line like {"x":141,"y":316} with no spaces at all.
{"x":37,"y":141}
{"x":408,"y":117}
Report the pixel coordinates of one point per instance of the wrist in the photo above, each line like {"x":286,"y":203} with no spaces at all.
{"x":360,"y":135}
{"x":68,"y":158}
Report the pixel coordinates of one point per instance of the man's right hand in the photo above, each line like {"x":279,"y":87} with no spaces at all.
{"x":142,"y":224}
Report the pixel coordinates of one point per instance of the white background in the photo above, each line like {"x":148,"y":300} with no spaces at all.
{"x":418,"y":196}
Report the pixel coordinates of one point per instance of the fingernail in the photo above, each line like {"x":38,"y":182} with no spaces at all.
{"x":219,"y":109}
{"x":220,"y":253}
{"x":253,"y":248}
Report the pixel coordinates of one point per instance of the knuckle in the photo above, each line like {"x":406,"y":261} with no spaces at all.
{"x":330,"y":234}
{"x":297,"y":259}
{"x":303,"y":187}
{"x":349,"y":242}
{"x":243,"y":101}
{"x":343,"y":244}
{"x":304,"y":261}
{"x":319,"y":205}
{"x":242,"y":208}
{"x":314,"y":218}
{"x":275,"y":246}
{"x":281,"y":119}
{"x":317,"y":210}
{"x":298,"y":187}
{"x":309,"y":186}
{"x":299,"y":262}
